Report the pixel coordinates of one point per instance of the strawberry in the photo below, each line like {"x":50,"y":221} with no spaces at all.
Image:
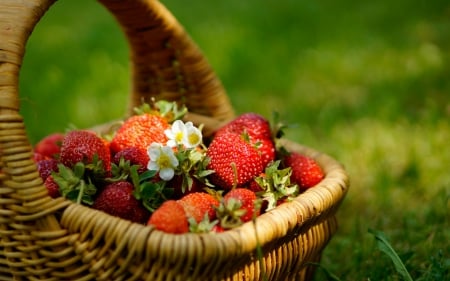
{"x":197,"y":204}
{"x":140,"y":131}
{"x":38,"y":157}
{"x":266,"y":148}
{"x":52,"y":187}
{"x":247,"y":201}
{"x":135,"y":155}
{"x":258,"y":130}
{"x":234,"y":160}
{"x":50,"y":145}
{"x":254,"y":186}
{"x":217,"y":229}
{"x":254,"y":124}
{"x":170,"y":217}
{"x":84,"y":146}
{"x":305,"y":170}
{"x":117,"y":199}
{"x":46,"y":167}
{"x":239,"y":205}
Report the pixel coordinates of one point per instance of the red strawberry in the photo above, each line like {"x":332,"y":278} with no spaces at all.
{"x":217,"y":229}
{"x":247,"y":200}
{"x":254,"y":124}
{"x":170,"y":217}
{"x":82,"y":146}
{"x":238,"y":206}
{"x":305,"y":171}
{"x":135,"y":155}
{"x":38,"y":157}
{"x":258,"y":130}
{"x":50,"y":145}
{"x":46,"y":167}
{"x":266,"y":148}
{"x":117,"y":199}
{"x":254,"y":185}
{"x":234,"y":160}
{"x":52,"y":187}
{"x":197,"y":204}
{"x":140,"y":131}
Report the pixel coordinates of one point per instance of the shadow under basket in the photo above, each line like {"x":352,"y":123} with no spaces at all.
{"x":54,"y":239}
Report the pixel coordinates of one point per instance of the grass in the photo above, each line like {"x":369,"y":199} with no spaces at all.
{"x":366,"y":82}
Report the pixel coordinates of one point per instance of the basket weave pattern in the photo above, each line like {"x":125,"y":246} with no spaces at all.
{"x":54,"y":239}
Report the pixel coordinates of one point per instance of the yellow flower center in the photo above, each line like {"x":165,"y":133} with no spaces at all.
{"x":193,"y":138}
{"x":164,"y":161}
{"x":179,"y":137}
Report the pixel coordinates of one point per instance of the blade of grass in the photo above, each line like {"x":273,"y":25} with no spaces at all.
{"x":384,"y":246}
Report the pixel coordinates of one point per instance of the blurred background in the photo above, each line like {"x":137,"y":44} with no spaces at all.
{"x":367,"y":82}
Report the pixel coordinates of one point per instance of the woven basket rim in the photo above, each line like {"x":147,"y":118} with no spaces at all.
{"x":312,"y":205}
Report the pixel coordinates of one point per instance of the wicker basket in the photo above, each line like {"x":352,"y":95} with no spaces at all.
{"x":53,"y":239}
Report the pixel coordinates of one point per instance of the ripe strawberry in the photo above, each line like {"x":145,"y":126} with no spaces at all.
{"x":38,"y":157}
{"x":170,"y":217}
{"x":135,"y":155}
{"x":217,"y":229}
{"x":52,"y":187}
{"x":239,"y":205}
{"x":254,"y":186}
{"x":266,"y":148}
{"x":117,"y":199}
{"x":305,"y":171}
{"x":50,"y":145}
{"x":46,"y":167}
{"x":83,"y":146}
{"x":197,"y":204}
{"x":234,"y":160}
{"x":247,"y":200}
{"x":258,"y":130}
{"x":140,"y":131}
{"x":254,"y":124}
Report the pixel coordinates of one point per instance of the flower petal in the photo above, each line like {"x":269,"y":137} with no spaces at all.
{"x":166,"y":174}
{"x":152,"y":166}
{"x":154,"y":151}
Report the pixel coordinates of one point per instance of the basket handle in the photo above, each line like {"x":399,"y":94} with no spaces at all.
{"x":165,"y":64}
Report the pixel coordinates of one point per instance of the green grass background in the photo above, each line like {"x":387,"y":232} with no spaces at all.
{"x":367,"y":82}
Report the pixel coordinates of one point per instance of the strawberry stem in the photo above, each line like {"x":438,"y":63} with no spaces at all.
{"x":235,"y":175}
{"x":81,"y":192}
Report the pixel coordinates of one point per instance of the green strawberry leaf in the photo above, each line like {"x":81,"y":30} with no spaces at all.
{"x":276,"y":184}
{"x":170,"y":110}
{"x":79,"y":169}
{"x":204,"y":173}
{"x":153,"y":194}
{"x":150,"y":189}
{"x":147,"y":175}
{"x":72,"y":184}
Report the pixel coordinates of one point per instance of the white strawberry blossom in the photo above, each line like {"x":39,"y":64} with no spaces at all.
{"x":185,"y":134}
{"x":162,"y":159}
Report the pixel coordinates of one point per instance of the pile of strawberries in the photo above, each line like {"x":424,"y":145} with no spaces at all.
{"x":157,"y":170}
